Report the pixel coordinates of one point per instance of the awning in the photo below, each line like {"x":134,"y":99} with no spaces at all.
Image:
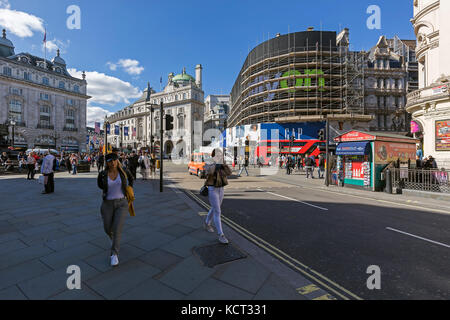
{"x":352,"y":148}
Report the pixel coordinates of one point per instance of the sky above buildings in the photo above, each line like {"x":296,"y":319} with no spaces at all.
{"x":124,"y":44}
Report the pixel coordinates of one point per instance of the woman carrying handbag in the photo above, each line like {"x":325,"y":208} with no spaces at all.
{"x":216,"y":180}
{"x":116,"y":184}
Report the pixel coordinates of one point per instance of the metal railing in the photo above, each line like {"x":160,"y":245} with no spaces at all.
{"x":421,"y":179}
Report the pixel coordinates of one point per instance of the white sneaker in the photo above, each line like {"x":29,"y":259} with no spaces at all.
{"x":208,"y":227}
{"x":222,"y":239}
{"x":114,"y":260}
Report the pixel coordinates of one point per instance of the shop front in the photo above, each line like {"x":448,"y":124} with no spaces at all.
{"x":354,"y":164}
{"x":362,"y":157}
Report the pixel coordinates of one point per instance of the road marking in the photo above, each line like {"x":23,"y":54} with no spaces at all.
{"x":365,"y":198}
{"x":292,"y":199}
{"x":325,"y":297}
{"x":425,"y":239}
{"x":307,"y":289}
{"x":307,"y":271}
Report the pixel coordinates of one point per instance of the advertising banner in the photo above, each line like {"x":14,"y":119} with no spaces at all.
{"x":415,"y":127}
{"x":443,"y":135}
{"x":355,"y":136}
{"x":386,"y":152}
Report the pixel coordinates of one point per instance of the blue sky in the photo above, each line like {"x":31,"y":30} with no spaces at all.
{"x":123,"y":44}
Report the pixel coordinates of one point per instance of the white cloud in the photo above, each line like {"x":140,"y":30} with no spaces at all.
{"x":107,"y":90}
{"x":112,"y":66}
{"x":19,"y":23}
{"x":130,"y":66}
{"x":96,"y":114}
{"x":56,"y":44}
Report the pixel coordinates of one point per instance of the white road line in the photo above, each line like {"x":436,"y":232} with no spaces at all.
{"x":292,"y":199}
{"x":425,"y":239}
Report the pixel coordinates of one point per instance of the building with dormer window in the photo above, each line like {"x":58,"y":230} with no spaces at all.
{"x":46,"y":104}
{"x":183,"y":99}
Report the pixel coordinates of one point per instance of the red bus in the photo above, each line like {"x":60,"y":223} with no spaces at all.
{"x":273,"y":149}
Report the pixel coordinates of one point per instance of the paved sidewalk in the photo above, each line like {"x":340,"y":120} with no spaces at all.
{"x":41,"y":235}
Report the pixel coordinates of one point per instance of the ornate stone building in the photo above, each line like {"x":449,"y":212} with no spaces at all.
{"x":46,"y":104}
{"x":390,"y":74}
{"x":183,"y":100}
{"x":430,"y":105}
{"x":216,"y":112}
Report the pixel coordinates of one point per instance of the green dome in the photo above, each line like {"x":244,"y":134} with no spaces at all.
{"x":183,"y":77}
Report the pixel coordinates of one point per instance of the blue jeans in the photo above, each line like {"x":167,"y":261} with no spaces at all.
{"x":74,"y":169}
{"x":215,"y":196}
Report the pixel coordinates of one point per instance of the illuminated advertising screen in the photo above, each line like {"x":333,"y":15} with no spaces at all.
{"x":443,"y":135}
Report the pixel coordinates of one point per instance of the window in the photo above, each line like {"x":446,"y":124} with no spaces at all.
{"x":15,"y":110}
{"x":44,"y":116}
{"x":45,"y":81}
{"x":181,"y":122}
{"x":7,"y":71}
{"x":27,"y":76}
{"x":16,"y":91}
{"x":76,"y":89}
{"x":62,"y":85}
{"x":70,"y":119}
{"x":184,"y":96}
{"x":70,"y":102}
{"x":45,"y":96}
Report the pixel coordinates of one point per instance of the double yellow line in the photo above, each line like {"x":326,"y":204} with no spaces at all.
{"x":315,"y":276}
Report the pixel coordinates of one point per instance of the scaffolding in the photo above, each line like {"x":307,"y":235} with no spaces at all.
{"x":270,"y":87}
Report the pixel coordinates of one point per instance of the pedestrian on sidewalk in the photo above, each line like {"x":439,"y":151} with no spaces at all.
{"x":31,"y":164}
{"x":153,"y":165}
{"x":309,"y":166}
{"x":244,"y":167}
{"x":321,"y":166}
{"x":216,"y":180}
{"x":48,"y":170}
{"x":114,"y":181}
{"x":144,"y":162}
{"x":100,"y":162}
{"x":74,"y":162}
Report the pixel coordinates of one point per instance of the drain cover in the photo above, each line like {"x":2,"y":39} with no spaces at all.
{"x":216,"y":254}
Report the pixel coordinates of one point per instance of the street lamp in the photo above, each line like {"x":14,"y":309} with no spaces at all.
{"x":12,"y":123}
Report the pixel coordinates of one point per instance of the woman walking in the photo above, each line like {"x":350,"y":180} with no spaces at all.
{"x":144,"y":162}
{"x":114,"y":181}
{"x":216,"y":180}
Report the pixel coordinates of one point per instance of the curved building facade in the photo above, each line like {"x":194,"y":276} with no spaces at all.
{"x":299,"y":77}
{"x":430,"y":105}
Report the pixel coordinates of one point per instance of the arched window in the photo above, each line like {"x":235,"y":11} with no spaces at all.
{"x":15,"y":110}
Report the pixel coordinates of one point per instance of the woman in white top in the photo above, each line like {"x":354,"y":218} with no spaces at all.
{"x":216,"y":180}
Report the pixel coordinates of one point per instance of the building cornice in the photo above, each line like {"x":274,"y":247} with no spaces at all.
{"x":43,"y":87}
{"x":21,"y":64}
{"x":425,"y":11}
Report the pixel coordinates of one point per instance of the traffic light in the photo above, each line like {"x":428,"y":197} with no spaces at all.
{"x":169,"y":122}
{"x":321,"y":134}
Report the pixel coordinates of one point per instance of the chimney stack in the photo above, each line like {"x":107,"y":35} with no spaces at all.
{"x":198,"y":75}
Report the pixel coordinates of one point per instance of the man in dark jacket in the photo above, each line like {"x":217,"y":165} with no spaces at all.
{"x":133,"y":163}
{"x":309,"y":165}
